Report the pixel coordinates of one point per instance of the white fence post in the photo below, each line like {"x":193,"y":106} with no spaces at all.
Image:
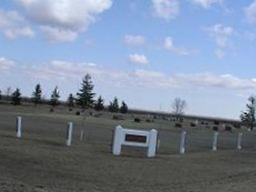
{"x":69,"y":134}
{"x":118,"y":137}
{"x":239,"y":141}
{"x":152,"y":143}
{"x":215,"y":141}
{"x":18,"y":126}
{"x":82,"y":135}
{"x":182,"y":142}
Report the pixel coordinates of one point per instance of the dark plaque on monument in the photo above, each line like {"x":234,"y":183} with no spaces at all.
{"x":135,"y":138}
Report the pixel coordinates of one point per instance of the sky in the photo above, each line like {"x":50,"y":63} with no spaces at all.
{"x":145,"y":52}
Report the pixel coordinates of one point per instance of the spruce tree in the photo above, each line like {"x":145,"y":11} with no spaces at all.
{"x":114,"y":106}
{"x":248,"y":117}
{"x":99,"y":106}
{"x":16,"y":97}
{"x":71,"y":103}
{"x":85,"y":95}
{"x":37,"y":95}
{"x":55,"y":97}
{"x":124,"y":108}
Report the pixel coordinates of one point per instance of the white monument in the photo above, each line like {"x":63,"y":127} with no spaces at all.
{"x":135,"y":138}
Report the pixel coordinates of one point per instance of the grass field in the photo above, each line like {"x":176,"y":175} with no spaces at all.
{"x":41,"y":162}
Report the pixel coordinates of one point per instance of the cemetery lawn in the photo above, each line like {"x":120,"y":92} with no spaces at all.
{"x":40,"y":161}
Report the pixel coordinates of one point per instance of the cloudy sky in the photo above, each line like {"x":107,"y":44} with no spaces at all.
{"x":146,"y":52}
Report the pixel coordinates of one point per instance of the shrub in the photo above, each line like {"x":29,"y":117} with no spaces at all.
{"x":215,"y":128}
{"x":98,"y":115}
{"x":118,"y":117}
{"x":216,"y":122}
{"x":51,"y":110}
{"x":228,"y":128}
{"x":78,"y":113}
{"x":178,"y":125}
{"x":137,"y":120}
{"x":192,"y":124}
{"x":149,"y":120}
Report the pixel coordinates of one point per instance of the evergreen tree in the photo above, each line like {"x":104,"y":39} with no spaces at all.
{"x":85,"y":95}
{"x":16,"y":97}
{"x":71,"y":103}
{"x":124,"y":108}
{"x":99,"y":106}
{"x":37,"y":95}
{"x":55,"y":97}
{"x":0,"y":95}
{"x":114,"y":106}
{"x":248,"y":117}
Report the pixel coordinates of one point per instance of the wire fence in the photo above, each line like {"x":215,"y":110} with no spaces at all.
{"x":52,"y":131}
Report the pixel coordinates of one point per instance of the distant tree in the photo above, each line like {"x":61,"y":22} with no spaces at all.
{"x":37,"y":95}
{"x":0,"y":95}
{"x":248,"y":116}
{"x":8,"y":93}
{"x":16,"y":97}
{"x":124,"y":108}
{"x":55,"y":98}
{"x":71,"y":102}
{"x":99,"y":105}
{"x":114,"y":106}
{"x":178,"y":107}
{"x":85,"y":95}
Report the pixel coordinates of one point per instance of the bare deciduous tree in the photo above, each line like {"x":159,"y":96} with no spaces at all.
{"x":178,"y":107}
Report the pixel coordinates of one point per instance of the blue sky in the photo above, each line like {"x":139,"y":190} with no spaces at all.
{"x":146,"y":52}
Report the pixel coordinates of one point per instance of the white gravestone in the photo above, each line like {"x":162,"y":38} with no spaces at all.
{"x":136,"y":138}
{"x":69,"y":134}
{"x":18,"y":127}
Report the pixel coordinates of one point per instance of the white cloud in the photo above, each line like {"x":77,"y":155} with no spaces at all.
{"x":166,"y":9}
{"x":169,"y":45}
{"x":250,"y":12}
{"x":65,"y":70}
{"x":134,"y":40}
{"x":221,"y":35}
{"x":6,"y":64}
{"x":206,"y":3}
{"x":138,"y":59}
{"x":64,"y":20}
{"x":13,"y":25}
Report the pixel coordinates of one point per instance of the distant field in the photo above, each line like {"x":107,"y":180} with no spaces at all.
{"x":41,"y":162}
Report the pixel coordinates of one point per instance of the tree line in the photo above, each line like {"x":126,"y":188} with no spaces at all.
{"x":85,"y":98}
